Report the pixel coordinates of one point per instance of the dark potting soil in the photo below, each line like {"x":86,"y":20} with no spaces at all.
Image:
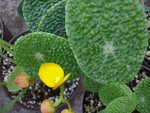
{"x":92,"y":103}
{"x":37,"y":93}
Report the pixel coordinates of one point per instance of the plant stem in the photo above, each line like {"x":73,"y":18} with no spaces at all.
{"x":68,"y":104}
{"x":9,"y":59}
{"x":6,"y":48}
{"x":62,"y":99}
{"x":61,"y":96}
{"x":6,"y":43}
{"x":61,"y":90}
{"x":2,"y":83}
{"x":13,"y":101}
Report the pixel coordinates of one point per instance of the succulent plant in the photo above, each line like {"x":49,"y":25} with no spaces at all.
{"x":105,"y":39}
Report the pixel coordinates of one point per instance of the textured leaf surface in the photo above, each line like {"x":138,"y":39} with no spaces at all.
{"x":109,"y":92}
{"x":108,"y":37}
{"x":37,"y":48}
{"x":33,"y":10}
{"x":143,"y":96}
{"x":91,"y":85}
{"x":121,"y":105}
{"x":54,"y":20}
{"x":12,"y":87}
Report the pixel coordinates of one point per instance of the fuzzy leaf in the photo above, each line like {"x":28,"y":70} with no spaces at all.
{"x":142,"y":92}
{"x":111,"y":91}
{"x":108,"y":37}
{"x":121,"y":105}
{"x":33,"y":10}
{"x":37,"y":48}
{"x":54,"y":20}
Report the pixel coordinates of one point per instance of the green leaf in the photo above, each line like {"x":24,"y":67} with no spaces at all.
{"x":12,"y":87}
{"x":142,"y":92}
{"x":91,"y":85}
{"x":33,"y":10}
{"x":121,"y":105}
{"x":20,"y":7}
{"x":37,"y":48}
{"x":54,"y":20}
{"x":111,"y":91}
{"x":108,"y":37}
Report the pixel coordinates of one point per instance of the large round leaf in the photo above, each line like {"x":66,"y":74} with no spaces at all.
{"x":121,"y":105}
{"x":111,"y":91}
{"x":142,"y":92}
{"x":108,"y":37}
{"x":54,"y":20}
{"x":33,"y":10}
{"x":37,"y":48}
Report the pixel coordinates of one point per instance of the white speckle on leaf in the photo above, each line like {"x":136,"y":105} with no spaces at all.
{"x":108,"y":47}
{"x":39,"y":56}
{"x":142,"y":99}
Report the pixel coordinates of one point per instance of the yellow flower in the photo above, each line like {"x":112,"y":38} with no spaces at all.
{"x":52,"y":75}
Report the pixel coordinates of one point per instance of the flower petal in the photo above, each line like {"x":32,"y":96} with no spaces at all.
{"x":51,"y":74}
{"x":65,"y":78}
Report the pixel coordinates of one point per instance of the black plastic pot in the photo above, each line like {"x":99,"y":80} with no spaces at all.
{"x":75,"y":99}
{"x":6,"y":35}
